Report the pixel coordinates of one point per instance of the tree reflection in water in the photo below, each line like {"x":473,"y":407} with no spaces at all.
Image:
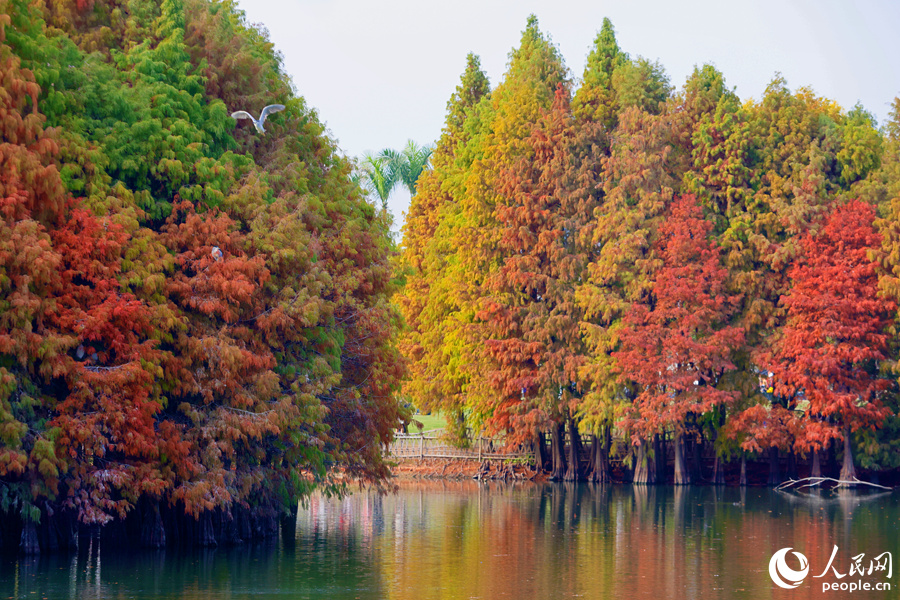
{"x":467,"y":539}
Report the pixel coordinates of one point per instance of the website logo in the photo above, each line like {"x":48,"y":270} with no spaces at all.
{"x":858,"y":576}
{"x":782,"y":574}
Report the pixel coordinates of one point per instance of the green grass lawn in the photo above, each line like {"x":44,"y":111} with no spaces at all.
{"x":433,"y":421}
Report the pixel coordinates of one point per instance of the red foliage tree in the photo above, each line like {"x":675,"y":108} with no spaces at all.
{"x":531,"y":312}
{"x":676,"y":342}
{"x":827,"y":358}
{"x":32,"y":199}
{"x":82,"y":378}
{"x":107,"y":425}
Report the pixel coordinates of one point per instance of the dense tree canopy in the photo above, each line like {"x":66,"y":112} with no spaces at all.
{"x":617,"y":255}
{"x":192,"y":315}
{"x":200,"y":324}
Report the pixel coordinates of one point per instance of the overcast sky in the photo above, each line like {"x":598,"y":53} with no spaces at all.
{"x":381,"y":72}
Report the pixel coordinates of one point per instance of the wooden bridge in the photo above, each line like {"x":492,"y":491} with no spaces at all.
{"x":435,"y":444}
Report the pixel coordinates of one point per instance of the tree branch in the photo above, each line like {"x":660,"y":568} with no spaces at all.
{"x":816,"y":481}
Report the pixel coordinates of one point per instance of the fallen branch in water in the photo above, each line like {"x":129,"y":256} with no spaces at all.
{"x":795,"y":484}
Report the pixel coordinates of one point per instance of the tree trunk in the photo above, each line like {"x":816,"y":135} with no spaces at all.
{"x":696,"y":457}
{"x":718,"y":471}
{"x":242,"y":523}
{"x":557,"y":452}
{"x":230,"y":534}
{"x":601,"y":457}
{"x":644,"y":466}
{"x":540,"y":452}
{"x":774,"y":471}
{"x":28,"y":543}
{"x":791,"y":465}
{"x":574,"y":471}
{"x":848,"y":471}
{"x":68,"y":531}
{"x":206,"y":537}
{"x":682,"y":475}
{"x":816,"y":469}
{"x":592,"y":457}
{"x":48,"y":529}
{"x":831,"y":467}
{"x":153,"y":534}
{"x":659,"y":456}
{"x":743,"y":470}
{"x":459,"y":433}
{"x":289,"y":529}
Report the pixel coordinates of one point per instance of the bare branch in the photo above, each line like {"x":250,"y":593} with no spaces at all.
{"x":797,"y":484}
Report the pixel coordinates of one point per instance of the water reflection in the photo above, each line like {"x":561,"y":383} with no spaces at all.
{"x":471,"y":540}
{"x":448,"y":540}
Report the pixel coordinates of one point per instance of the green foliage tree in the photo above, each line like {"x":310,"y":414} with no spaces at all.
{"x":382,"y":172}
{"x":539,"y":228}
{"x":194,"y":320}
{"x":427,"y":301}
{"x":505,"y":143}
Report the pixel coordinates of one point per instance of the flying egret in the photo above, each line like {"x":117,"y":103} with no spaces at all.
{"x":243,"y":114}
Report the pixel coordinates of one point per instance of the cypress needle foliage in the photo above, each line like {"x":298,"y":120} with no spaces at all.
{"x":427,"y":301}
{"x":192,"y":316}
{"x":546,"y":226}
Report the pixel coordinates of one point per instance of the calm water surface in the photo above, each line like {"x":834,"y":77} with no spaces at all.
{"x":460,"y":540}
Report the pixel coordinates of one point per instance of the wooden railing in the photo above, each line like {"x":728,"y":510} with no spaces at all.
{"x":434,"y":444}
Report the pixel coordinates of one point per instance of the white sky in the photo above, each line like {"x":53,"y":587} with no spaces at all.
{"x":379,"y":73}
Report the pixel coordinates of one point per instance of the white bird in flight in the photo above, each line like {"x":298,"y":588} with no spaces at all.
{"x":243,"y":114}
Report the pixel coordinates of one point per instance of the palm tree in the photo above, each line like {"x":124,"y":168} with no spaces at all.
{"x":379,"y":176}
{"x":382,"y":172}
{"x":408,"y":163}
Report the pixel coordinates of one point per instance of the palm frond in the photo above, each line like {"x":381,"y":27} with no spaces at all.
{"x":380,"y":176}
{"x":415,"y":161}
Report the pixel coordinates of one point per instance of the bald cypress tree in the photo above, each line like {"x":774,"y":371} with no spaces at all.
{"x":509,"y":396}
{"x":595,"y":100}
{"x":202,"y":325}
{"x":430,"y":308}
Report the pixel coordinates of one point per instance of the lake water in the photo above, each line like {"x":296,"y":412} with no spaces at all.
{"x":461,"y":540}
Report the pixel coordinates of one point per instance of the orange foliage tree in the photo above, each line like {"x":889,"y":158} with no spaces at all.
{"x":677,"y":340}
{"x":828,"y":356}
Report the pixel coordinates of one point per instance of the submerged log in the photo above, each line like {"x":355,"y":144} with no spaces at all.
{"x":797,"y":484}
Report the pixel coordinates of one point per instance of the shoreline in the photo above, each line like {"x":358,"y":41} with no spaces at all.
{"x":460,"y":469}
{"x":456,"y":469}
